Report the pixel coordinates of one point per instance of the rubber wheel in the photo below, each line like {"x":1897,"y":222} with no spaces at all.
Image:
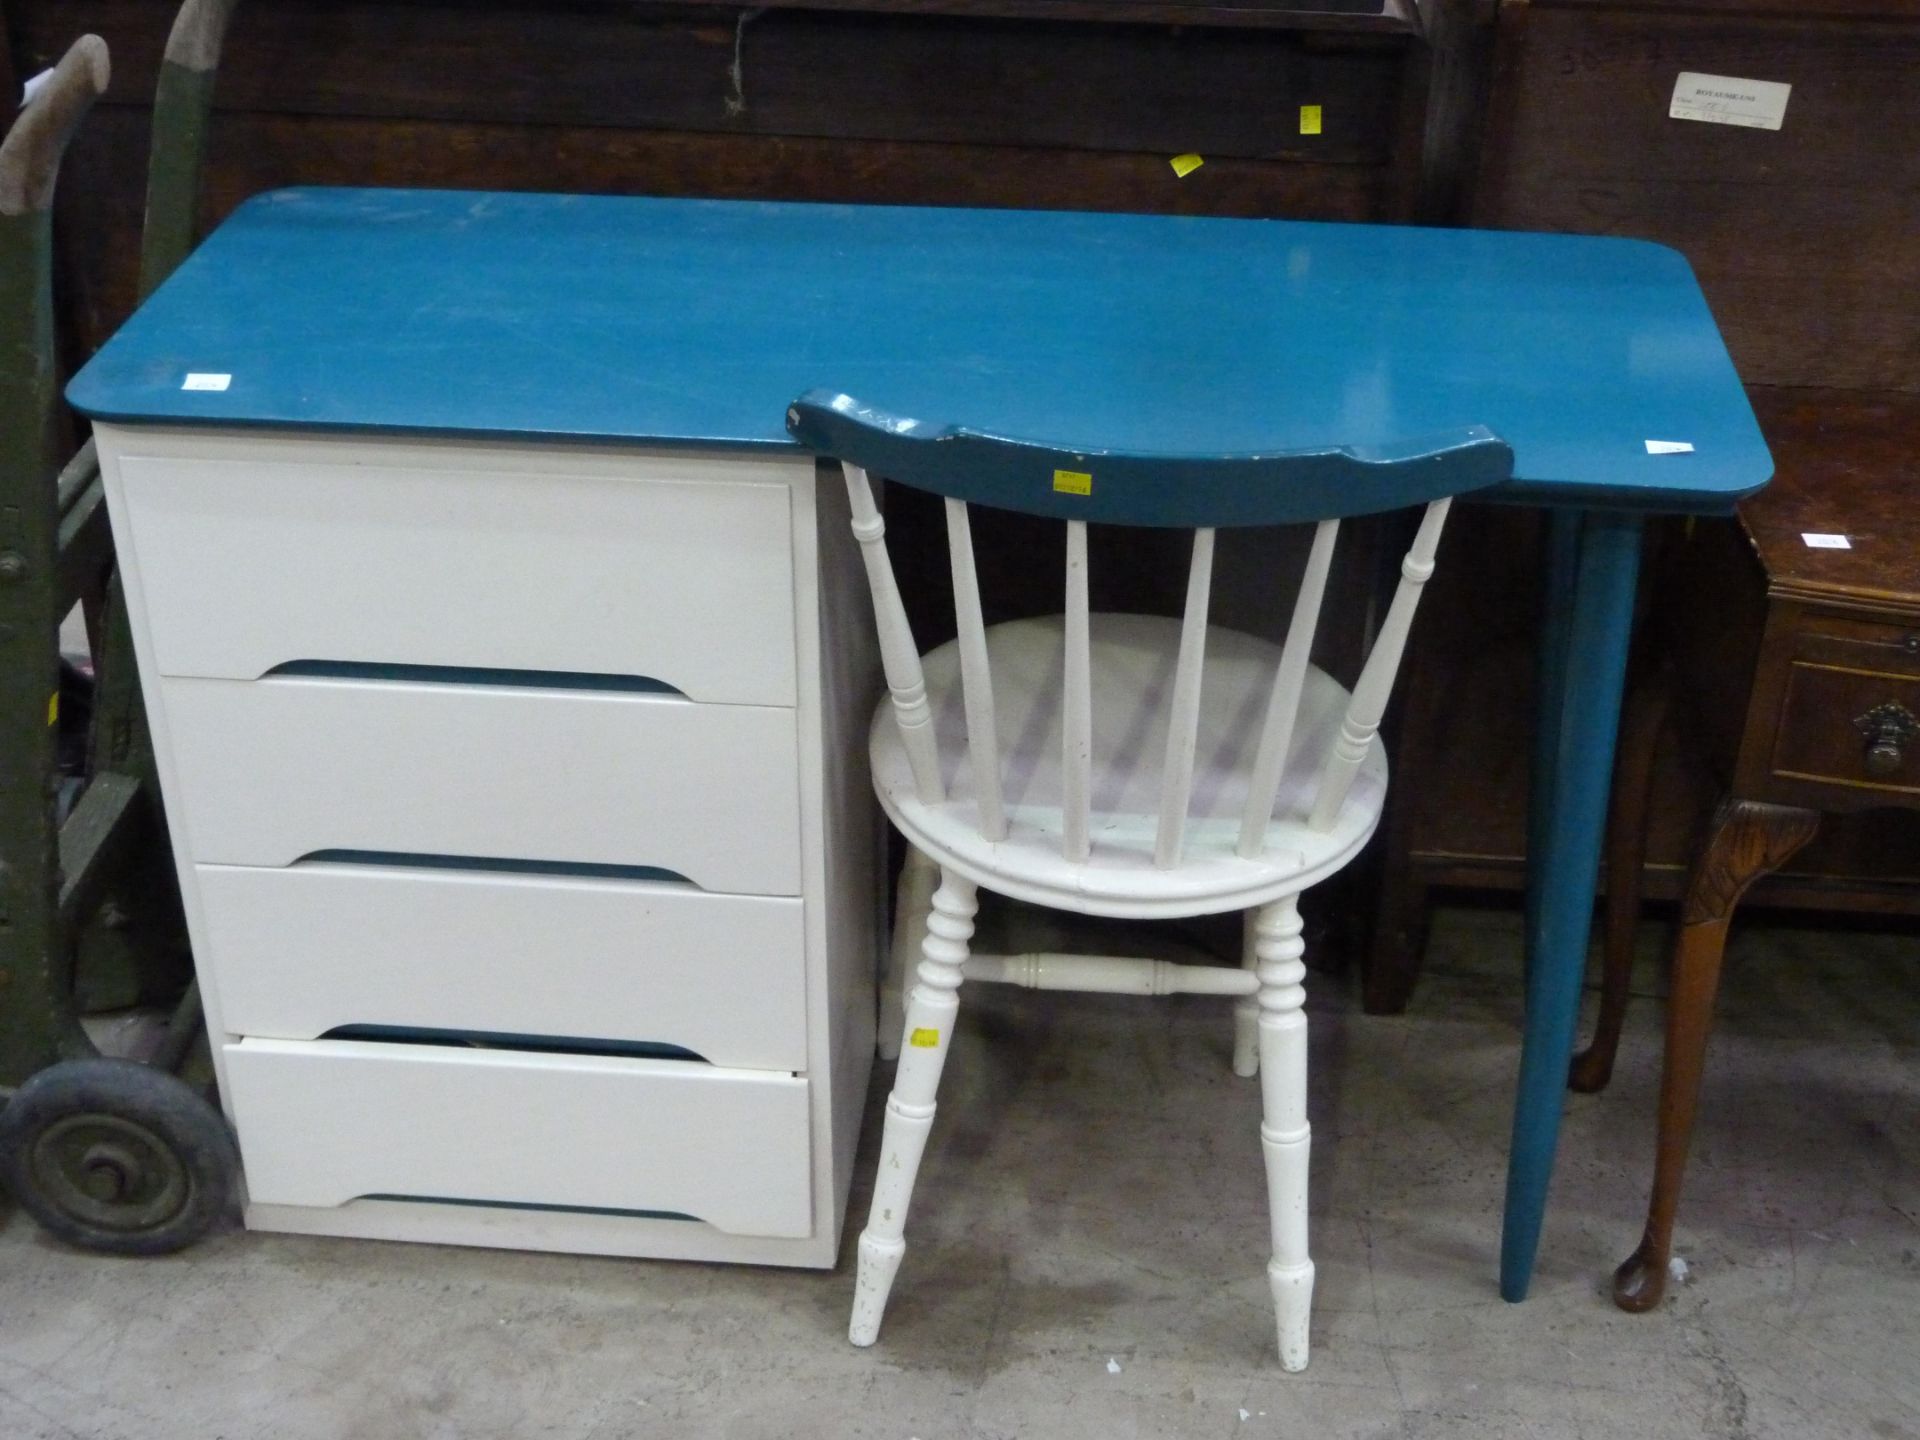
{"x":117,"y":1156}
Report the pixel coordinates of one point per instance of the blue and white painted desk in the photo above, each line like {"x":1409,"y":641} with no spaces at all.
{"x":522,"y":349}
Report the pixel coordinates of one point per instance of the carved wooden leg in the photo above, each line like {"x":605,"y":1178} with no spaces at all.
{"x":1284,"y":1134}
{"x":929,"y":1030}
{"x":912,"y":899}
{"x":1748,"y":840}
{"x":1246,"y":1012}
{"x":1640,"y":731}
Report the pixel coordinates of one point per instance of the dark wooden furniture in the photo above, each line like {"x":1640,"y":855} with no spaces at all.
{"x":1803,"y":241}
{"x":1793,"y":671}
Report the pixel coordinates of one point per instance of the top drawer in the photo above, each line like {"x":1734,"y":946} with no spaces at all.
{"x":269,"y":552}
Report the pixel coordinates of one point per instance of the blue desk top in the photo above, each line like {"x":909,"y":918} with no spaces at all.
{"x":695,"y":322}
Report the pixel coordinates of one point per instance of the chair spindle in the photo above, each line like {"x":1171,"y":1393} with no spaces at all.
{"x":899,"y":656}
{"x":1076,"y":714}
{"x":1283,"y":701}
{"x":1369,"y":698}
{"x":976,"y":676}
{"x":1183,"y":723}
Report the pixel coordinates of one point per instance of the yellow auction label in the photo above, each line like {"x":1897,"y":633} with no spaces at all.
{"x":1072,"y":482}
{"x":924,"y":1038}
{"x":1309,"y":119}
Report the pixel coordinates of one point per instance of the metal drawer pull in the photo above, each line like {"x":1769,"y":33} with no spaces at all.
{"x":1887,"y":728}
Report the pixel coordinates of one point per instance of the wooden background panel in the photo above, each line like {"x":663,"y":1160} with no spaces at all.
{"x":597,"y":96}
{"x":842,"y":75}
{"x":1803,"y":238}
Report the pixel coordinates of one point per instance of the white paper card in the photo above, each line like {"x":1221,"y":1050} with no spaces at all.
{"x":1723,"y":100}
{"x":1669,"y":447}
{"x":201,"y":380}
{"x":1826,"y":542}
{"x":33,"y":87}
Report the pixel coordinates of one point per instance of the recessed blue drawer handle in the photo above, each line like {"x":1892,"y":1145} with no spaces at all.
{"x":473,"y":675}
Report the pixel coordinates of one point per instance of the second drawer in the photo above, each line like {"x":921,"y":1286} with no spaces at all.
{"x":271,"y":771}
{"x":294,"y":954}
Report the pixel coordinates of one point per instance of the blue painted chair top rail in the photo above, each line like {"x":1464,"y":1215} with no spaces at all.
{"x":1119,"y":488}
{"x":694,"y":322}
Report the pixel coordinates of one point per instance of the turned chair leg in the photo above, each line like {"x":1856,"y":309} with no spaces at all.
{"x":1284,"y":1133}
{"x":1748,"y":840}
{"x":1641,"y":728}
{"x":931,"y":1009}
{"x":1246,"y":1011}
{"x":912,"y":899}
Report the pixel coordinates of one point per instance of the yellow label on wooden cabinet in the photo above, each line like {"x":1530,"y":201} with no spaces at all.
{"x":1309,"y":119}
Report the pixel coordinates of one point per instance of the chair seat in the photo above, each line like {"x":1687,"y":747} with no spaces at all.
{"x":1133,"y":658}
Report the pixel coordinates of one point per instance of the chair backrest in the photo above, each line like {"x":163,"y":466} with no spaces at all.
{"x":1201,"y":493}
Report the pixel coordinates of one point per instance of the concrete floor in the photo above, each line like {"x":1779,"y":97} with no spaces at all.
{"x":1087,"y":1256}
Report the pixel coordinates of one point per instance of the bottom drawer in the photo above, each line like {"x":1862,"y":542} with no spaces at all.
{"x":325,"y":1122}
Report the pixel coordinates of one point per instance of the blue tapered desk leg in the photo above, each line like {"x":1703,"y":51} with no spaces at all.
{"x":1556,"y":611}
{"x":1584,"y":711}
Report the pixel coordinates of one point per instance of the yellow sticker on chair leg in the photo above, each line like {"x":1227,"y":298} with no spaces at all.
{"x":53,"y":708}
{"x":1072,"y":482}
{"x":925,"y":1038}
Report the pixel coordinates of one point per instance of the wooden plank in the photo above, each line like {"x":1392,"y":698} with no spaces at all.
{"x":1802,"y":237}
{"x":1312,"y":15}
{"x":1806,"y":9}
{"x":802,"y":73}
{"x":101,"y":197}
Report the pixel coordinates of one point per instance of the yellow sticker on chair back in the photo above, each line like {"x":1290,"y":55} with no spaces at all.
{"x":1072,"y":482}
{"x":924,"y":1038}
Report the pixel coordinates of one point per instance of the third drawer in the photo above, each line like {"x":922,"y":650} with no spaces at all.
{"x":297,"y":954}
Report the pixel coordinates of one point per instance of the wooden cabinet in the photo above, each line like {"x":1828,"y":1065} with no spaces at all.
{"x":1803,"y":242}
{"x":523,"y":827}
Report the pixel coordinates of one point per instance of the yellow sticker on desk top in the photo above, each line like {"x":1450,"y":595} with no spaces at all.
{"x":1072,"y":482}
{"x":1309,"y":119}
{"x":1185,"y":165}
{"x":924,"y":1038}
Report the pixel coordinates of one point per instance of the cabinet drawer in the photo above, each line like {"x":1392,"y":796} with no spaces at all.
{"x":293,"y":954}
{"x":1851,"y":642}
{"x":325,"y":1122}
{"x":1821,"y":736}
{"x":678,"y":571}
{"x":269,"y":771}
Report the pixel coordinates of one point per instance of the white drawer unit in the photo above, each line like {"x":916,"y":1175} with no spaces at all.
{"x":518,"y":796}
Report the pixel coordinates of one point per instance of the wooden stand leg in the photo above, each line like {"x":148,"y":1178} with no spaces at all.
{"x":1640,"y":731}
{"x":912,"y":900}
{"x":1748,"y":840}
{"x":931,"y":1009}
{"x":1246,"y":1012}
{"x":1284,"y":1134}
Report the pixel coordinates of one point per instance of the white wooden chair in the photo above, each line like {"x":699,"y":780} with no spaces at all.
{"x":1125,"y":765}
